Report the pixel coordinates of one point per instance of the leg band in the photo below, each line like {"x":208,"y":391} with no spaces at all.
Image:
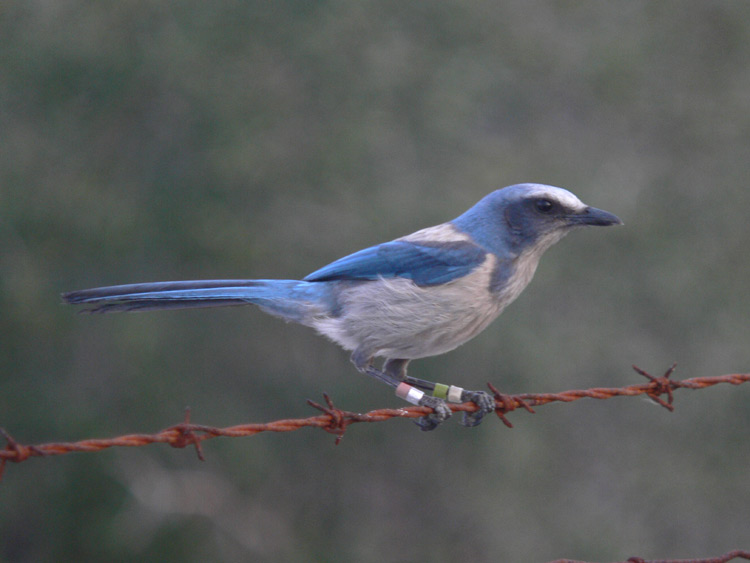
{"x":409,"y":394}
{"x":440,"y":391}
{"x":454,"y":394}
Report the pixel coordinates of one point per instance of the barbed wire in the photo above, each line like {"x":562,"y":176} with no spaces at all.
{"x":336,"y":421}
{"x":729,"y":556}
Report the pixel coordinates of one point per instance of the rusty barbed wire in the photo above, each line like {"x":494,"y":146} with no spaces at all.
{"x":336,"y":421}
{"x":729,"y":556}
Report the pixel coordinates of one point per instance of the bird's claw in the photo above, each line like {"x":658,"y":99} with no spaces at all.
{"x":485,"y":405}
{"x":440,"y":413}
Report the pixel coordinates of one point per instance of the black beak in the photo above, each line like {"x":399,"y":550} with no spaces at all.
{"x":594,"y":216}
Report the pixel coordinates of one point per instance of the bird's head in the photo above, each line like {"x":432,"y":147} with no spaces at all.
{"x":529,"y":216}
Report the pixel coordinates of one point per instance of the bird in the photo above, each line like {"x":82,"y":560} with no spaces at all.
{"x":419,"y":295}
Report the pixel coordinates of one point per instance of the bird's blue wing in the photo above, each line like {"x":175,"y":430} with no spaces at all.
{"x":424,"y":263}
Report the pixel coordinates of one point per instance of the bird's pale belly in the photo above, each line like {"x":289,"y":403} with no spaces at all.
{"x":395,"y":318}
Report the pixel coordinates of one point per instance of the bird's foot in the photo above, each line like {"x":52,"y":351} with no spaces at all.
{"x":485,"y":405}
{"x":440,"y":413}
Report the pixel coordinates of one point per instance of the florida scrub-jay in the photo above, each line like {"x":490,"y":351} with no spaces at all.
{"x":416,"y":296}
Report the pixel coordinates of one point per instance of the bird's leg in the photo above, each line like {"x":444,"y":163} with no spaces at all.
{"x":440,"y":411}
{"x":484,"y":401}
{"x":364,"y":364}
{"x":394,"y":374}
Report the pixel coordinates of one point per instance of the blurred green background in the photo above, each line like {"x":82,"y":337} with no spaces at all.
{"x":147,"y":141}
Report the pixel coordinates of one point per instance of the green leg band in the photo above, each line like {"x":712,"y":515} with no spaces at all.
{"x":440,"y":391}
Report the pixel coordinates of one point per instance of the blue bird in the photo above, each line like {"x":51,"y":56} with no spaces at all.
{"x":419,"y":295}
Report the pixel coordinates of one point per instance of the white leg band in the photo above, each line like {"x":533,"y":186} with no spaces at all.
{"x":454,"y":394}
{"x":409,"y":394}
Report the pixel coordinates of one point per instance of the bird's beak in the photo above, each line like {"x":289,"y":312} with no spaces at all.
{"x":594,"y":216}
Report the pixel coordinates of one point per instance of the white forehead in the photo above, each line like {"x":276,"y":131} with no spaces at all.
{"x":563,"y":197}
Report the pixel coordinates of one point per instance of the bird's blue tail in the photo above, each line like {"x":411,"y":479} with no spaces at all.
{"x":292,"y":300}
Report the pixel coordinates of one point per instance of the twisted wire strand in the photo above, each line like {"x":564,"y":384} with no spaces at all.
{"x":336,"y":420}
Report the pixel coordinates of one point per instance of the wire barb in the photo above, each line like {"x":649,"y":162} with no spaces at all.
{"x":340,"y":420}
{"x":17,"y":452}
{"x":186,"y":436}
{"x":505,"y":403}
{"x":662,"y":386}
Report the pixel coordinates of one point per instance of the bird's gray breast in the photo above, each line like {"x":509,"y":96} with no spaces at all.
{"x":396,"y":318}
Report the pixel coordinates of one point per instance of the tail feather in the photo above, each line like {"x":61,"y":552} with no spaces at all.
{"x":286,"y":298}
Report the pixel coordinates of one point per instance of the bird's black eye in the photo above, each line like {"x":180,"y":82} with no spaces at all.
{"x":544,"y":205}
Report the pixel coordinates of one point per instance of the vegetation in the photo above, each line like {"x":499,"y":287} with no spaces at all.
{"x":146,"y":141}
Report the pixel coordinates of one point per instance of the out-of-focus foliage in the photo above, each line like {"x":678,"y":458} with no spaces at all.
{"x":143,"y":141}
